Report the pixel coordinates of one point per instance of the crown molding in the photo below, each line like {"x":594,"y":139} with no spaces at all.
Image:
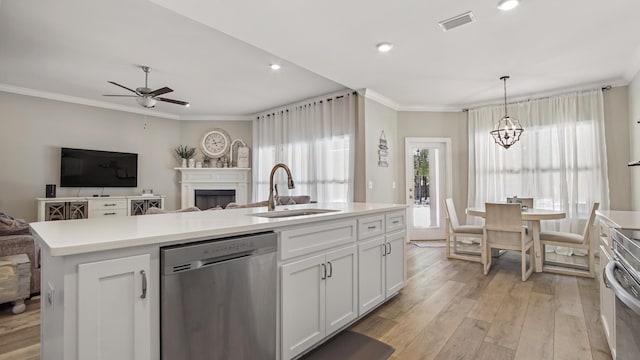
{"x":372,"y":95}
{"x":430,"y":108}
{"x":105,"y":105}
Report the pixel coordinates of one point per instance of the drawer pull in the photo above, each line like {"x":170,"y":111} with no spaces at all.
{"x":396,"y":221}
{"x":111,"y":213}
{"x":372,"y":227}
{"x":110,"y":204}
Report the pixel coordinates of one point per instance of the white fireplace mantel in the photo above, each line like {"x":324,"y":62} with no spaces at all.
{"x":193,"y":179}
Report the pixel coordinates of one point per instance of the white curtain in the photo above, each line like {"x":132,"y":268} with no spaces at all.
{"x":316,"y":139}
{"x":560,"y":159}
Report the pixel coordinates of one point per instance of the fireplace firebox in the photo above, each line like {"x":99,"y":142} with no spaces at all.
{"x":207,"y":199}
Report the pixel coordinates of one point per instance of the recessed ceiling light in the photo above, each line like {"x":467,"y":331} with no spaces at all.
{"x":384,"y":47}
{"x":505,"y":5}
{"x":275,"y":67}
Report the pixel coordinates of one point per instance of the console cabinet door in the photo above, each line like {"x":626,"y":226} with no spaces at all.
{"x":371,"y":274}
{"x":607,"y":302}
{"x":303,"y":305}
{"x":394,"y":263}
{"x":341,"y":289}
{"x":113,"y":315}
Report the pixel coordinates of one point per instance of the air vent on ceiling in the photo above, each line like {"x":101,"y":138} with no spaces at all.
{"x":456,"y":21}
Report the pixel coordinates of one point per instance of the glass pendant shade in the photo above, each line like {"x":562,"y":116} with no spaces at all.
{"x":507,"y":131}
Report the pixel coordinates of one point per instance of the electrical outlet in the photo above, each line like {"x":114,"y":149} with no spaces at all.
{"x":393,"y":184}
{"x":370,"y":184}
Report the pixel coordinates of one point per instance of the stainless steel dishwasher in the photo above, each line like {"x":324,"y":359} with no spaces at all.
{"x":218,"y":299}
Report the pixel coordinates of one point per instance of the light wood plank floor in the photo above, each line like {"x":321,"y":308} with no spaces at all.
{"x":448,"y":310}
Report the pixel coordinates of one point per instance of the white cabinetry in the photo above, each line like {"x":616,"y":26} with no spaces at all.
{"x":607,"y":296}
{"x":67,"y":208}
{"x":113,"y":309}
{"x":107,"y":207}
{"x":381,"y":271}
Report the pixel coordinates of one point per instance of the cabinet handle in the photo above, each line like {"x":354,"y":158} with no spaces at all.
{"x":371,"y":227}
{"x":109,"y":204}
{"x":111,"y":213}
{"x":396,"y":221}
{"x":330,"y":269}
{"x":324,"y":272}
{"x":384,"y":249}
{"x":144,"y":284}
{"x":604,"y":280}
{"x":389,"y":252}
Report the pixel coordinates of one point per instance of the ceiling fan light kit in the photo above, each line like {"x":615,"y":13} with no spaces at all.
{"x":146,"y":97}
{"x":507,"y":130}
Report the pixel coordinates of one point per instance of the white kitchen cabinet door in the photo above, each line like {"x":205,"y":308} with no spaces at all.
{"x":371,"y":274}
{"x":394,"y":263}
{"x":341,"y":290}
{"x":607,"y":302}
{"x":114,"y":309}
{"x":303,"y":305}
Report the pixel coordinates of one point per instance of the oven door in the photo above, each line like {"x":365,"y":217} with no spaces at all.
{"x":627,"y":292}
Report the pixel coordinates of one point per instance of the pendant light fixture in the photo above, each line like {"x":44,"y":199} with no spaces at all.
{"x":507,"y":131}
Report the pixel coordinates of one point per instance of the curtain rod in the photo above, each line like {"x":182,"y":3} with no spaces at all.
{"x":319,"y":99}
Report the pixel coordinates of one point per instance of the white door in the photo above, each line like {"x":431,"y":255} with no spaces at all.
{"x":114,"y":309}
{"x":371,"y":274}
{"x":303,"y":305}
{"x":342,"y":292}
{"x":394,"y":263}
{"x":428,"y":183}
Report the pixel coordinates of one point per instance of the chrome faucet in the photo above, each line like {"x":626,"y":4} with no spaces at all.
{"x":271,"y":203}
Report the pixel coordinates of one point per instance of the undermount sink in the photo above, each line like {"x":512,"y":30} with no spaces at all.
{"x":290,"y":213}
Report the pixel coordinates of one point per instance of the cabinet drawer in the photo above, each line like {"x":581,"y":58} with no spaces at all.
{"x":314,"y":238}
{"x":396,"y":220}
{"x":110,"y":204}
{"x":370,"y":226}
{"x":107,"y":212}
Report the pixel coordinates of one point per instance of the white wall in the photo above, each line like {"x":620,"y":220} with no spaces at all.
{"x":380,"y":118}
{"x":34,"y":129}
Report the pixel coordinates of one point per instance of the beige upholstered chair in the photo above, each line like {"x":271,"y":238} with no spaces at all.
{"x":455,"y":230}
{"x":575,"y":241}
{"x":524,"y":201}
{"x":503,"y":230}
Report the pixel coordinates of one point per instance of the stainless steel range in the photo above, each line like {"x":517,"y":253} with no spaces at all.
{"x":623,"y":276}
{"x":218,"y":299}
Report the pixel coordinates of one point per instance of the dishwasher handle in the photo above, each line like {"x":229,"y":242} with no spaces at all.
{"x":621,"y":293}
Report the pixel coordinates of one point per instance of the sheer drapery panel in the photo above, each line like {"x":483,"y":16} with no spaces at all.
{"x":316,"y":141}
{"x":560,"y":159}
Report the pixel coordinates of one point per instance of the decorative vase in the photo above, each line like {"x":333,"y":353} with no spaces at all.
{"x":184,"y":163}
{"x":192,"y":163}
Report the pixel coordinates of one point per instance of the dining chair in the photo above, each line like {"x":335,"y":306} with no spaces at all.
{"x":524,"y":201}
{"x":575,"y":241}
{"x":503,"y":229}
{"x":455,"y":230}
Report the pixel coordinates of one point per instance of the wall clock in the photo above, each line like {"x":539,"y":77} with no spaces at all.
{"x":216,"y":143}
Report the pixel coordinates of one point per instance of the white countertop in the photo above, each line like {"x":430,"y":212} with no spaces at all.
{"x":624,"y":219}
{"x":71,"y":237}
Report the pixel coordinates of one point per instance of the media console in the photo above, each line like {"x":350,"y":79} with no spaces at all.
{"x":68,"y":208}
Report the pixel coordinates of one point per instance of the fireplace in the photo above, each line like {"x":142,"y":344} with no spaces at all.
{"x":207,"y":199}
{"x":210,"y":180}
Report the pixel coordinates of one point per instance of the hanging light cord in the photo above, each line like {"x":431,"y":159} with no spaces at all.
{"x":504,"y":79}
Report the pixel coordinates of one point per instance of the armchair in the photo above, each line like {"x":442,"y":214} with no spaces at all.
{"x":15,"y":239}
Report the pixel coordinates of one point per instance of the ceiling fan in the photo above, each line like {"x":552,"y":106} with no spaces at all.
{"x":147,"y":97}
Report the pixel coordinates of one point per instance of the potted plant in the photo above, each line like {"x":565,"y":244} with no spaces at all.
{"x":185,"y":153}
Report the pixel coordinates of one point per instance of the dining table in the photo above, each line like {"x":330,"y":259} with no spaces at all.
{"x":533,"y":217}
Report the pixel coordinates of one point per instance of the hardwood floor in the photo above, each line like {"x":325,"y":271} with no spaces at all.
{"x":448,"y":310}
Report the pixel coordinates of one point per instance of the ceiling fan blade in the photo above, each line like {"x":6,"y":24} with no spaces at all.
{"x":122,"y":95}
{"x":160,"y":91}
{"x":179,"y":102}
{"x":124,"y":87}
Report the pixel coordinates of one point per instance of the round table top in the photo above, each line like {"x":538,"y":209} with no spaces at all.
{"x":527,"y":215}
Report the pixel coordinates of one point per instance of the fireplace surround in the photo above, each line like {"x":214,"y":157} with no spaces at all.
{"x":224,"y":179}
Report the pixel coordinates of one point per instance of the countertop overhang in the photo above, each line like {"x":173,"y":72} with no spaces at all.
{"x":623,"y":219}
{"x":71,"y":237}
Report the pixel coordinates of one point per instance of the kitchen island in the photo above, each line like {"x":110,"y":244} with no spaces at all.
{"x":96,"y":271}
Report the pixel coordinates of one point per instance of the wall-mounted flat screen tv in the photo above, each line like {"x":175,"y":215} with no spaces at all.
{"x":95,"y":168}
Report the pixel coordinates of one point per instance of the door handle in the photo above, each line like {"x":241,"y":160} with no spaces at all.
{"x":144,"y":284}
{"x":330,"y":269}
{"x":324,"y":272}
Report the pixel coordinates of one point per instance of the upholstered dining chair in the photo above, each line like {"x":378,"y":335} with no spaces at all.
{"x":582,"y":241}
{"x":503,"y":229}
{"x":455,"y":230}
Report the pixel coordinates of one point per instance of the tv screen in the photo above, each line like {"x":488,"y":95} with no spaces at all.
{"x":94,"y":168}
